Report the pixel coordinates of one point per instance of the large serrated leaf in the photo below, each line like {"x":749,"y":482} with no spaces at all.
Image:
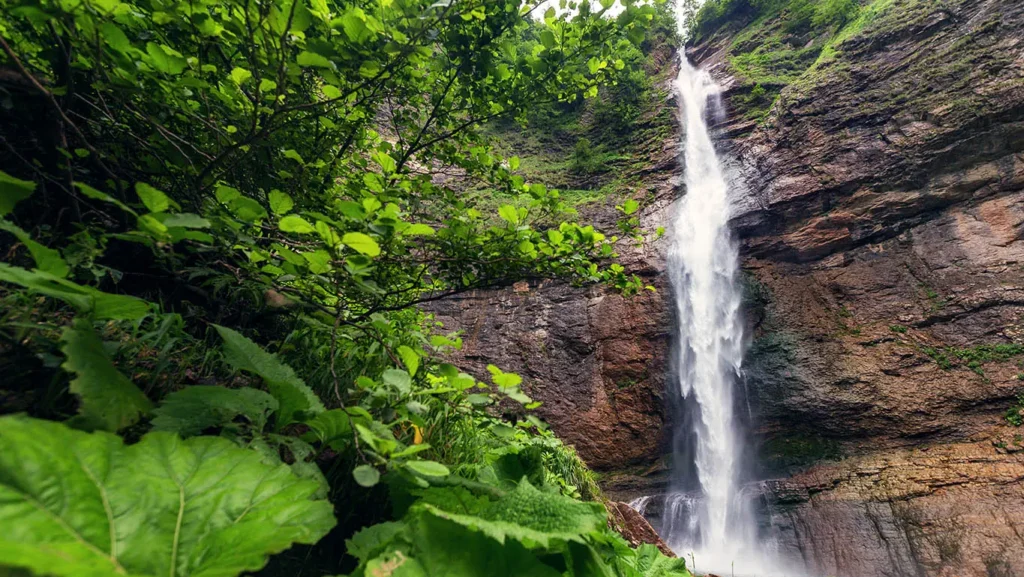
{"x":530,"y":516}
{"x":191,"y":410}
{"x":86,"y":505}
{"x":444,"y":547}
{"x":107,"y":399}
{"x":332,"y":428}
{"x":294,"y":396}
{"x":651,"y":562}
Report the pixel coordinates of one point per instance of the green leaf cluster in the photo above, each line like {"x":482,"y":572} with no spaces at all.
{"x":220,"y":251}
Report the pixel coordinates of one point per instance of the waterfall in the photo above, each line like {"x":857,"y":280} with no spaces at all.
{"x":707,"y":517}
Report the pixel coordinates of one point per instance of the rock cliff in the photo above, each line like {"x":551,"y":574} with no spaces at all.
{"x":881,"y":218}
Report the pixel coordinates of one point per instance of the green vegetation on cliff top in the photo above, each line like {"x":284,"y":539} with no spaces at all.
{"x":775,"y":43}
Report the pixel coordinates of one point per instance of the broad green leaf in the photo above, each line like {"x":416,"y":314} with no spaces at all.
{"x":186,"y":220}
{"x":509,"y":214}
{"x":369,"y":542}
{"x":75,"y":504}
{"x":503,"y":379}
{"x":398,"y":379}
{"x":353,"y":23}
{"x":366,"y":475}
{"x":295,"y":223}
{"x":332,"y":428}
{"x":12,"y":191}
{"x":444,"y":547}
{"x":115,"y":37}
{"x":585,"y":560}
{"x":418,"y":229}
{"x":294,"y":396}
{"x":267,"y":85}
{"x":319,"y":261}
{"x":387,"y":164}
{"x":547,"y":38}
{"x":361,"y":243}
{"x":240,"y":75}
{"x":630,"y":206}
{"x":164,"y":61}
{"x":650,"y":562}
{"x":247,"y":209}
{"x":280,"y":203}
{"x":410,"y":358}
{"x":428,"y":468}
{"x":47,"y":259}
{"x":312,"y":59}
{"x":155,"y":200}
{"x":331,"y":92}
{"x":226,"y":194}
{"x":151,"y":225}
{"x":191,"y":410}
{"x":532,"y":517}
{"x":107,"y":399}
{"x":86,"y":299}
{"x":270,"y":447}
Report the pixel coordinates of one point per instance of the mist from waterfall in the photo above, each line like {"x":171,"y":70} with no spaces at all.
{"x":707,"y":517}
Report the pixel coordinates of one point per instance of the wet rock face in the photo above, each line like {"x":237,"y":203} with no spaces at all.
{"x":882,"y":242}
{"x":921,"y":111}
{"x":596,"y":361}
{"x":883,"y":229}
{"x":948,"y":510}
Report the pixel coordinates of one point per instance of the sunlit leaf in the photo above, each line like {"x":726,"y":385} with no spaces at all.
{"x":76,"y":504}
{"x":361,"y":243}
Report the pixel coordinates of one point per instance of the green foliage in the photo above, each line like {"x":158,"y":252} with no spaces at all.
{"x":531,"y":517}
{"x":47,"y":260}
{"x":108,"y":400}
{"x":1015,"y":414}
{"x":776,"y":42}
{"x":834,"y":13}
{"x":295,"y":399}
{"x":99,"y":304}
{"x":523,"y":532}
{"x":12,"y":191}
{"x":798,"y":16}
{"x":973,"y":357}
{"x":276,"y":170}
{"x":77,"y":504}
{"x":192,"y":410}
{"x":583,"y":156}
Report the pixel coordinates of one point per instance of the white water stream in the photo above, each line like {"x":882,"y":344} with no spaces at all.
{"x":714,"y":528}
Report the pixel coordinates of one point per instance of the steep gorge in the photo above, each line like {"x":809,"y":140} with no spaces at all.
{"x":884,"y":264}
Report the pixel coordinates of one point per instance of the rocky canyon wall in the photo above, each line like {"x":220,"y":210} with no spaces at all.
{"x":882,"y":232}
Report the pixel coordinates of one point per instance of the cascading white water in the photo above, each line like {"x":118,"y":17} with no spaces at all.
{"x":716,"y":526}
{"x":703,"y":266}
